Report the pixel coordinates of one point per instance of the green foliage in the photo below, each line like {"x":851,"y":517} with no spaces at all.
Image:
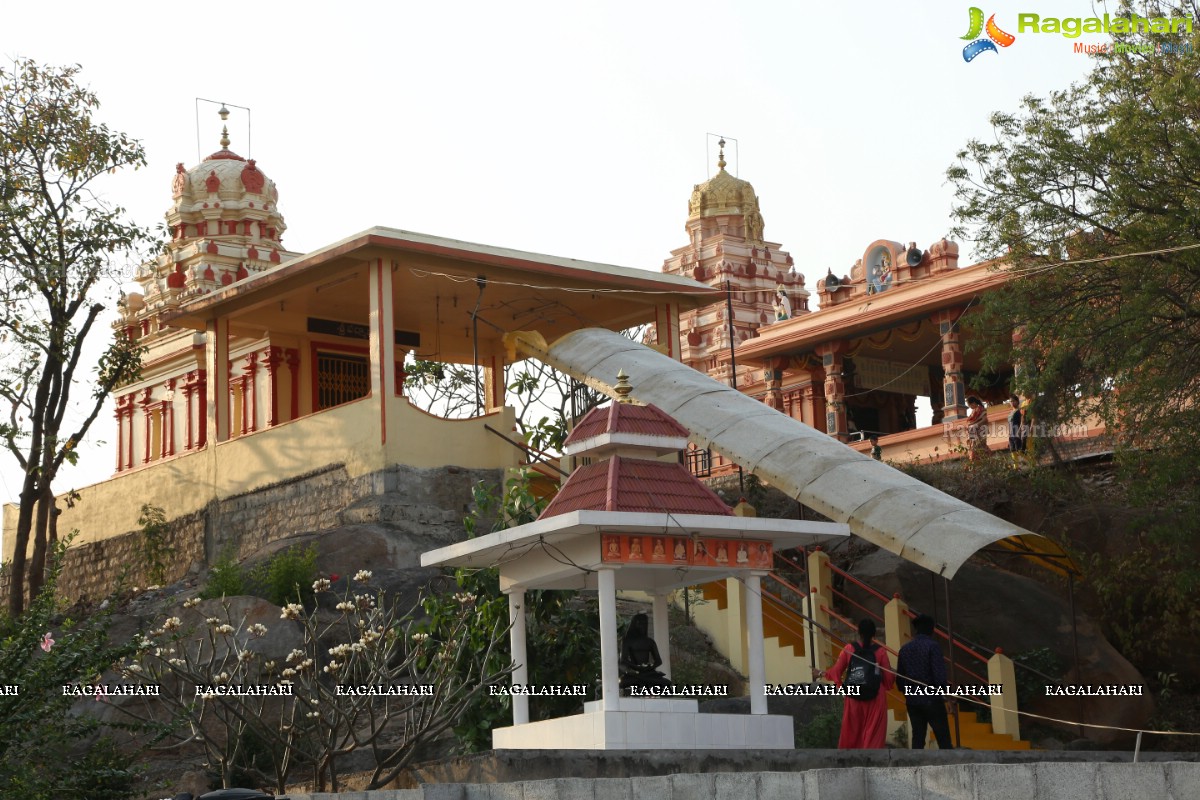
{"x":225,"y":579}
{"x":286,"y":576}
{"x":1031,"y":685}
{"x":562,"y":640}
{"x":39,"y":736}
{"x":61,"y":248}
{"x":283,"y":578}
{"x":156,"y":550}
{"x":821,"y":731}
{"x":1088,"y":198}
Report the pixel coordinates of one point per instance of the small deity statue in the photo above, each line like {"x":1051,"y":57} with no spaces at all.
{"x":783,"y":305}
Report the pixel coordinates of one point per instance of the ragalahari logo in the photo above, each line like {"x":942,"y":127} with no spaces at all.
{"x":995,"y":36}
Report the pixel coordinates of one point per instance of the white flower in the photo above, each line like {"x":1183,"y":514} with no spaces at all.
{"x":339,"y":651}
{"x":134,"y":668}
{"x":321,"y":584}
{"x":464,"y":598}
{"x":177,"y":662}
{"x":191,"y":602}
{"x":291,"y":611}
{"x":221,"y":677}
{"x":364,"y":601}
{"x":269,"y":666}
{"x":333,"y":667}
{"x":288,"y":672}
{"x":345,"y":606}
{"x":292,"y":656}
{"x":225,"y":628}
{"x":362,"y":575}
{"x":213,"y":620}
{"x":153,"y":588}
{"x":419,"y":637}
{"x":258,"y":630}
{"x":246,"y":655}
{"x":144,"y":644}
{"x":313,"y":714}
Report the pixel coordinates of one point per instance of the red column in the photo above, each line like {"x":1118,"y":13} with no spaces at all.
{"x":202,"y":411}
{"x":249,"y":393}
{"x":146,"y":425}
{"x":292,"y":358}
{"x":271,"y":358}
{"x":954,"y":404}
{"x":119,"y":413}
{"x":835,"y":390}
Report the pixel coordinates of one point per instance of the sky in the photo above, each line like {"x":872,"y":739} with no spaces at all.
{"x":574,"y":129}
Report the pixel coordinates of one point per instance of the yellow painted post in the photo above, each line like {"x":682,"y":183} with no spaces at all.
{"x":744,"y":509}
{"x":897,"y":632}
{"x":735,"y":622}
{"x":820,"y":586}
{"x":897,"y":627}
{"x":1004,"y":706}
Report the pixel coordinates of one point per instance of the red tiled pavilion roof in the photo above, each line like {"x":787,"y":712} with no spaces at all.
{"x":630,"y":484}
{"x":626,"y":418}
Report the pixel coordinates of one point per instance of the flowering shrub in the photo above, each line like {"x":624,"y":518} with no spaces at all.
{"x":378,"y":688}
{"x":39,"y":654}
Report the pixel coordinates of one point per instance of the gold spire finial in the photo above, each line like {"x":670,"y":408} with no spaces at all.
{"x":623,"y":387}
{"x":223,"y":112}
{"x":721,"y":155}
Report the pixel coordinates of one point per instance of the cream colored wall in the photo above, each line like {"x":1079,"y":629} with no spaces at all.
{"x":347,"y":434}
{"x":424,"y":440}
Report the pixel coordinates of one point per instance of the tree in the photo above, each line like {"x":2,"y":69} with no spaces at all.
{"x":546,"y":400}
{"x":1089,"y":198}
{"x":60,"y":243}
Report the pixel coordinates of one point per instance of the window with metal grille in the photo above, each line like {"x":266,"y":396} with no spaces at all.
{"x":699,"y":462}
{"x":341,"y":377}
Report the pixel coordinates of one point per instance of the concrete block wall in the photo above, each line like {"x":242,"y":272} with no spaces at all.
{"x":1166,"y":780}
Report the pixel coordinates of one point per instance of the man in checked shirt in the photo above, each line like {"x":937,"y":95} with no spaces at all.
{"x":920,"y":671}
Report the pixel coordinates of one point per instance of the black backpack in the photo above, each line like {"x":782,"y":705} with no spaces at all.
{"x":864,"y":672}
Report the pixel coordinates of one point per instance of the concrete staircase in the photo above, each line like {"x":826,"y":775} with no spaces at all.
{"x":718,"y":614}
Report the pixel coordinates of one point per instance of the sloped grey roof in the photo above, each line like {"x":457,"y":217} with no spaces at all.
{"x":881,"y":504}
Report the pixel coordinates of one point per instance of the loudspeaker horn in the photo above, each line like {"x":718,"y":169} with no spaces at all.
{"x":914,"y":256}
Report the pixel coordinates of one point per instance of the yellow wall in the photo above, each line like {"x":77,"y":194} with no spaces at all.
{"x":347,"y":434}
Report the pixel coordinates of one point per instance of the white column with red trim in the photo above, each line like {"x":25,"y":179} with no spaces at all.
{"x":666,"y":327}
{"x":216,"y":356}
{"x":383,"y":339}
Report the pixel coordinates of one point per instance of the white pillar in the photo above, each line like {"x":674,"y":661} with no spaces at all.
{"x":383,"y":340}
{"x":754,"y":643}
{"x":662,"y":631}
{"x":516,"y":638}
{"x":216,"y":353}
{"x":610,"y":648}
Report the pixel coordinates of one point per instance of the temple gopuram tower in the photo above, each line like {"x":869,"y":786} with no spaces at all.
{"x":224,"y":226}
{"x":726,"y":247}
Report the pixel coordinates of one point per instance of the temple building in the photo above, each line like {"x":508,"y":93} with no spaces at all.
{"x":271,"y":375}
{"x":727,"y":251}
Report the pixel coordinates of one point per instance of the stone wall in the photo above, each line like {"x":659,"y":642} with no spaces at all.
{"x":960,"y":781}
{"x":243,"y":524}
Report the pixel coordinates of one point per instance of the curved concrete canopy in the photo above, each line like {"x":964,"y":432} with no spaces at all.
{"x":881,"y":504}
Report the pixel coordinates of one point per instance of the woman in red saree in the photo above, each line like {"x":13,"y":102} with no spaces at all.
{"x":864,"y":722}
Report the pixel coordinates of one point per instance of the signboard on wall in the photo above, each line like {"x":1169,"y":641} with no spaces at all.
{"x":686,"y":551}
